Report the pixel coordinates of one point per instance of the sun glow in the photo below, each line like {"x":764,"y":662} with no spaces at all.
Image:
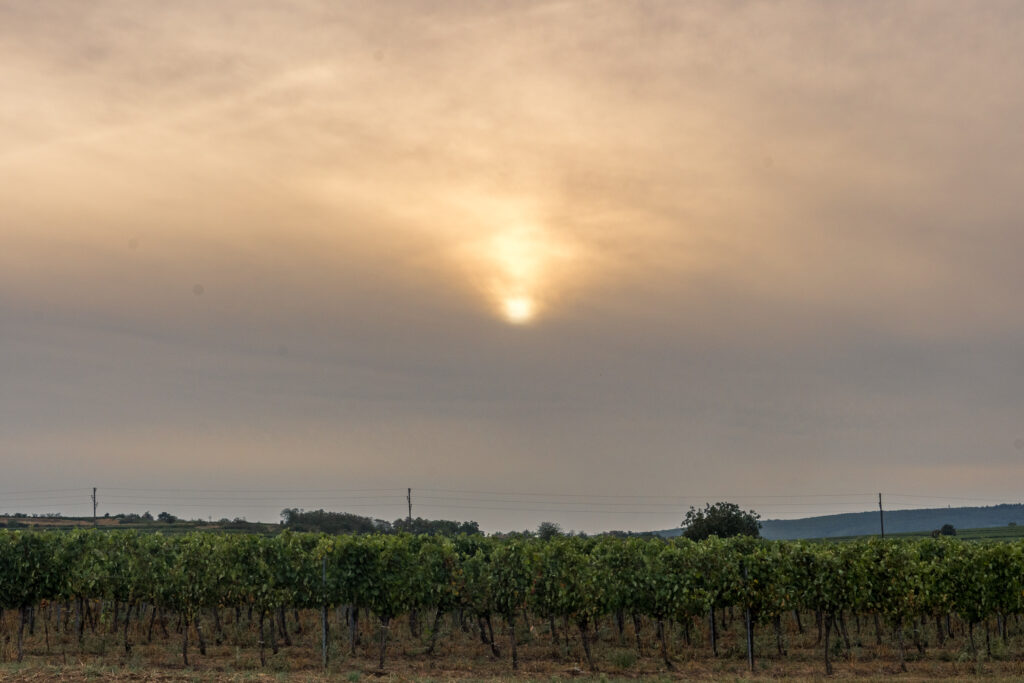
{"x":519,"y":310}
{"x":519,"y":265}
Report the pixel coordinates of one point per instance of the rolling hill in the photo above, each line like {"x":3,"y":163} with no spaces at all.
{"x":896,"y":521}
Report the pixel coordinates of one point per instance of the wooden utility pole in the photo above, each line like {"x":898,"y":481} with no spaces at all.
{"x":881,"y":515}
{"x":408,"y":498}
{"x":94,"y":505}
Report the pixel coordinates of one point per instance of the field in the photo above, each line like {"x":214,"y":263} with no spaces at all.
{"x":54,"y":653}
{"x":182,"y":526}
{"x":995,"y":533}
{"x":179,"y":526}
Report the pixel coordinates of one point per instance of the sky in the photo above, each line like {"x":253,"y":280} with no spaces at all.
{"x":587,"y":262}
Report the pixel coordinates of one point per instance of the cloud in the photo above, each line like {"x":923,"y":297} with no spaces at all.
{"x":755,"y":236}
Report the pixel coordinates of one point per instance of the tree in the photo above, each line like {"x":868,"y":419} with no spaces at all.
{"x":548,"y":530}
{"x":722,"y":520}
{"x":167,"y":517}
{"x":948,"y":530}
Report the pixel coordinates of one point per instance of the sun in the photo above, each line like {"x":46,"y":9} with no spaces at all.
{"x":516,"y":262}
{"x":519,"y":310}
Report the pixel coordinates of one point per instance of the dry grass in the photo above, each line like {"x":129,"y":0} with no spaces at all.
{"x":461,"y":656}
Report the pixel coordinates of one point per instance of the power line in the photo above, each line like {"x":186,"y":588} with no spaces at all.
{"x":672,"y":496}
{"x":561,"y":511}
{"x":51,"y":507}
{"x":282,"y":491}
{"x":675,"y":512}
{"x":35,"y":499}
{"x":241,"y":499}
{"x":554,"y":502}
{"x":254,"y":504}
{"x":24,"y":492}
{"x":967,"y":498}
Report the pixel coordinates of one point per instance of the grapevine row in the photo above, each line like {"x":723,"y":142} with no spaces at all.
{"x":565,"y":581}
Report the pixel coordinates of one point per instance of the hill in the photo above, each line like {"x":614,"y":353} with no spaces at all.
{"x":896,"y":522}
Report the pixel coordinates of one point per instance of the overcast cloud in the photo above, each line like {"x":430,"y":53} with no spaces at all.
{"x":770,"y":249}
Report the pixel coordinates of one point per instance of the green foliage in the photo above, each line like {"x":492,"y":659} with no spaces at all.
{"x":434,"y":527}
{"x":721,"y":519}
{"x":511,"y":577}
{"x":567,"y":577}
{"x":26,"y":571}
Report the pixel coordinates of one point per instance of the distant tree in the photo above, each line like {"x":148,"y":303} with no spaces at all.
{"x":146,"y":516}
{"x":948,"y":530}
{"x":167,"y":517}
{"x":347,"y":523}
{"x":722,"y":520}
{"x":434,"y":527}
{"x":548,"y":530}
{"x":331,"y":522}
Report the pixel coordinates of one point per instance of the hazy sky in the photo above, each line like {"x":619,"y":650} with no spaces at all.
{"x":317,"y":252}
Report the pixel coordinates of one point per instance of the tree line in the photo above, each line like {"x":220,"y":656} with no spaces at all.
{"x":323,"y":521}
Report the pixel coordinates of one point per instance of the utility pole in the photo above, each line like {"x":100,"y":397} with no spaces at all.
{"x":94,"y":505}
{"x":881,"y":515}
{"x":408,"y":497}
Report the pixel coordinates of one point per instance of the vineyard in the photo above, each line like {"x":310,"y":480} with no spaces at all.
{"x":599,"y":604}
